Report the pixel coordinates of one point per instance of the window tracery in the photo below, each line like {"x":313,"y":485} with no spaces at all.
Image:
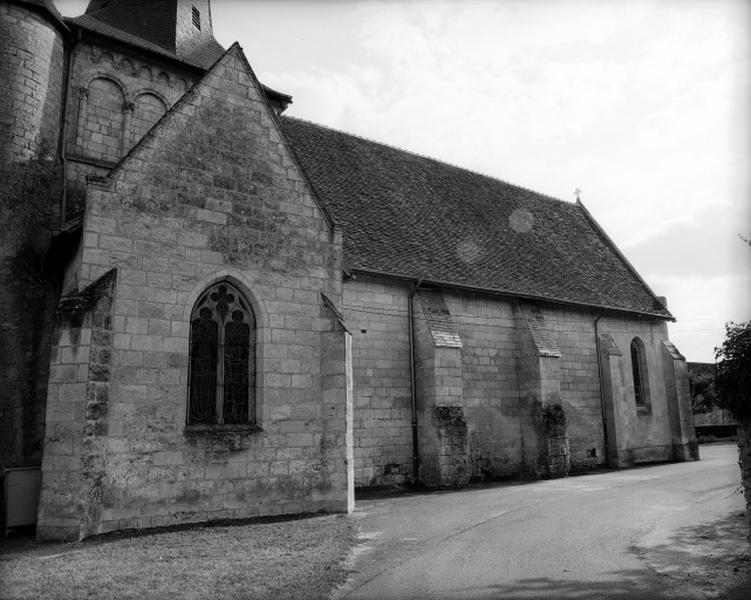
{"x":222,"y":358}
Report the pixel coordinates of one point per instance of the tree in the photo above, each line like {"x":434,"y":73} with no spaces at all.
{"x":733,"y":383}
{"x":703,"y":392}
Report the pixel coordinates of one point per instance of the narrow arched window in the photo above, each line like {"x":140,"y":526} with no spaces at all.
{"x":639,"y":372}
{"x":222,"y":358}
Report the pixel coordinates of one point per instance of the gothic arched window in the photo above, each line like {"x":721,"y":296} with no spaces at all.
{"x":222,"y":358}
{"x":639,"y":372}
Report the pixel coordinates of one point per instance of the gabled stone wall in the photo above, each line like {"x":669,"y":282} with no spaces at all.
{"x":213,"y":194}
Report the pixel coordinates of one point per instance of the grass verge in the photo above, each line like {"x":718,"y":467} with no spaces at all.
{"x":303,"y":558}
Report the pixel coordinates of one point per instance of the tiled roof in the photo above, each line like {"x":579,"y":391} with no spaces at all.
{"x":203,"y":58}
{"x":205,"y":54}
{"x":415,"y":217}
{"x":152,"y":20}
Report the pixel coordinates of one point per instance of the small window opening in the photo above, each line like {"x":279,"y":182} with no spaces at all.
{"x":196,"y":18}
{"x":638,"y":369}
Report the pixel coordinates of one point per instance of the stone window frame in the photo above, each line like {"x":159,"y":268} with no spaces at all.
{"x":129,"y":131}
{"x":196,"y":14}
{"x":130,"y":97}
{"x":639,"y":374}
{"x":209,"y":300}
{"x":82,"y":110}
{"x":141,"y":91}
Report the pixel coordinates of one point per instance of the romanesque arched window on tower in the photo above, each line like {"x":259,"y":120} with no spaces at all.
{"x":101,"y":120}
{"x":222,"y":358}
{"x":148,"y":108}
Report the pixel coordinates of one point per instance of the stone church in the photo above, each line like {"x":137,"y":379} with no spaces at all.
{"x":214,"y":311}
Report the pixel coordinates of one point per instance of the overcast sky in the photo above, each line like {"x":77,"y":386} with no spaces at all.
{"x":641,"y":104}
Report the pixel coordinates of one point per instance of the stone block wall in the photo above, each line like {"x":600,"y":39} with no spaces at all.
{"x":116,"y":95}
{"x":502,"y":385}
{"x":544,"y":433}
{"x":78,"y":411}
{"x":452,"y":467}
{"x":648,"y":433}
{"x":643,"y":436}
{"x":640,"y":434}
{"x":376,"y":313}
{"x":31,"y":74}
{"x":490,"y":383}
{"x":579,"y":386}
{"x":239,"y":211}
{"x":442,"y":429}
{"x":148,"y":108}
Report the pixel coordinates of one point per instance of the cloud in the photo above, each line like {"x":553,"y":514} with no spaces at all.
{"x":702,"y":306}
{"x":704,"y":246}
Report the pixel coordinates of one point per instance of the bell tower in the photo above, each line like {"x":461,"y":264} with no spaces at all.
{"x":182,"y":27}
{"x":32,"y":65}
{"x":193,"y":28}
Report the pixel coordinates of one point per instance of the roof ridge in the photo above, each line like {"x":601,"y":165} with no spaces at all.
{"x":432,"y":159}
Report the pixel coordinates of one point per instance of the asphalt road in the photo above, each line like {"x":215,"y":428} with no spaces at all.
{"x":649,"y":532}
